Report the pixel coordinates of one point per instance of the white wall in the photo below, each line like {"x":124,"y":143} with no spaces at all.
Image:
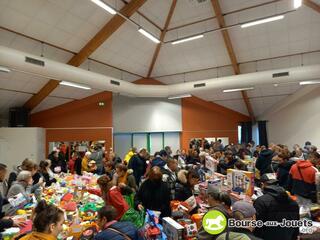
{"x":16,"y":144}
{"x":146,"y":114}
{"x":297,"y":122}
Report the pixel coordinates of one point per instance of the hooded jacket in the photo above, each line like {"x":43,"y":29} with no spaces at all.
{"x":302,"y":184}
{"x":275,"y":205}
{"x":263,"y":163}
{"x":283,"y":173}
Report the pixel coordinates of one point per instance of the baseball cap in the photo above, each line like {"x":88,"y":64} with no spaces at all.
{"x":245,"y":208}
{"x":269,"y":178}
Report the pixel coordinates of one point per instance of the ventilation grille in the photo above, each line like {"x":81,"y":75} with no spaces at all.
{"x":34,"y":61}
{"x":281,"y":74}
{"x":199,"y":85}
{"x":115,"y":82}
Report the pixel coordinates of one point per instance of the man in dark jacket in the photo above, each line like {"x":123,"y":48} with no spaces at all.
{"x":111,"y":229}
{"x":284,"y":168}
{"x":138,"y":164}
{"x":302,"y":180}
{"x":263,"y":163}
{"x":275,"y":205}
{"x":160,"y":160}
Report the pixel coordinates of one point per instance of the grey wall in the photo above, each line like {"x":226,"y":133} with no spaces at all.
{"x":146,"y":114}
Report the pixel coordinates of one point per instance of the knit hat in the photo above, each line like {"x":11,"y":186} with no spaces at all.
{"x":245,"y":208}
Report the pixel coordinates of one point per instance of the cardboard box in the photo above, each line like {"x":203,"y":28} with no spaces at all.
{"x":172,"y":229}
{"x":241,"y":181}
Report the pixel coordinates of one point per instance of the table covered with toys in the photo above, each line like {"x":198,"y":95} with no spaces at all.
{"x":70,"y":193}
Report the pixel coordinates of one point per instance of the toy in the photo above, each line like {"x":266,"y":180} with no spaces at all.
{"x":241,"y":181}
{"x":89,"y":211}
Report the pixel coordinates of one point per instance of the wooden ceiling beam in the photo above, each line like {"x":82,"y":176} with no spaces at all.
{"x":162,"y":35}
{"x":113,"y":25}
{"x":312,"y":5}
{"x":232,"y":56}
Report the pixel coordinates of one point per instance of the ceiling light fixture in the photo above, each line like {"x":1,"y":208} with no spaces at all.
{"x":4,"y":69}
{"x":297,"y":3}
{"x":237,"y":89}
{"x":105,"y":6}
{"x":148,"y":35}
{"x":187,"y":39}
{"x":261,"y":21}
{"x":180,"y":96}
{"x":76,"y":85}
{"x":309,"y":82}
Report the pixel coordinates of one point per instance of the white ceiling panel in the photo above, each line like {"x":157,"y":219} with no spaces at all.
{"x":157,"y":11}
{"x":236,"y":105}
{"x":190,"y":11}
{"x":127,"y":49}
{"x":72,"y":93}
{"x":50,"y":102}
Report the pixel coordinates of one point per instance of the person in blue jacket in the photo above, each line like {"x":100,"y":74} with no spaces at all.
{"x":112,"y":229}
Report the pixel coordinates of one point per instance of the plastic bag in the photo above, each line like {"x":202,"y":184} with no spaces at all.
{"x":135,"y":217}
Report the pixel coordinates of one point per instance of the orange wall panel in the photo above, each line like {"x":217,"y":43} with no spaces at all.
{"x":202,"y":119}
{"x":93,"y":122}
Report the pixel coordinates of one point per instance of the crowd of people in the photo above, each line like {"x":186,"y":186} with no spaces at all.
{"x":155,"y":180}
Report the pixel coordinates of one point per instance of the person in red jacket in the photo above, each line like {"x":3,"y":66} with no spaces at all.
{"x":111,"y":195}
{"x":302,"y":181}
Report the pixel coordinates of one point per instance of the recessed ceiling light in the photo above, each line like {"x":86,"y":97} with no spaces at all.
{"x":148,"y":35}
{"x":187,"y":39}
{"x":261,"y":21}
{"x":76,"y":85}
{"x":105,"y":6}
{"x":237,"y":89}
{"x":309,"y":82}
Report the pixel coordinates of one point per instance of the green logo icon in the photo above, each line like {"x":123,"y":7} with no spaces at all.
{"x":214,"y":222}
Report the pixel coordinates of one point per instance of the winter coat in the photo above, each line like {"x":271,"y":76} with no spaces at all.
{"x":170,"y":178}
{"x":139,"y":166}
{"x":113,"y":198}
{"x":275,"y":205}
{"x":154,"y":196}
{"x":126,"y":228}
{"x":303,"y":185}
{"x":263,"y":163}
{"x":183,"y":190}
{"x":283,"y":173}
